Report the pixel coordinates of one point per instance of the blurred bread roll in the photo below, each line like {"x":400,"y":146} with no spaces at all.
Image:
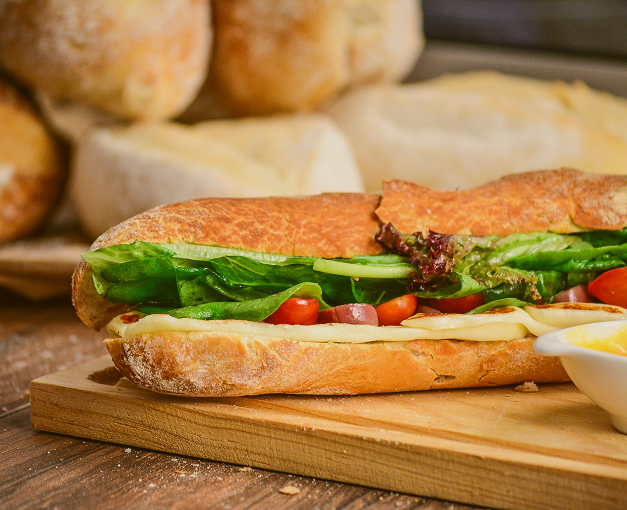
{"x":134,"y":58}
{"x":32,"y":172}
{"x":460,"y":131}
{"x":286,"y":55}
{"x":119,"y":172}
{"x":596,"y":109}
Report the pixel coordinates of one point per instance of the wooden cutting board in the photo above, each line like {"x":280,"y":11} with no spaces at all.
{"x":550,"y":449}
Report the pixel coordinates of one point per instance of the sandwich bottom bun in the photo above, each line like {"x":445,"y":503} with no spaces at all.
{"x":32,"y":173}
{"x":216,"y":364}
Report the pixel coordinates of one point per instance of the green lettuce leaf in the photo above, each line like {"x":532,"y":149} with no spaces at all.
{"x":210,"y":281}
{"x":252,"y":310}
{"x":178,"y":276}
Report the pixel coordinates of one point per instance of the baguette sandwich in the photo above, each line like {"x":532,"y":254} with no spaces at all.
{"x":343,"y":293}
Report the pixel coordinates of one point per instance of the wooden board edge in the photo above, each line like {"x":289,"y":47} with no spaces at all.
{"x":423,"y":467}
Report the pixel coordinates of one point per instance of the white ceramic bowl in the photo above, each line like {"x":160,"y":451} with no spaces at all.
{"x":600,"y":375}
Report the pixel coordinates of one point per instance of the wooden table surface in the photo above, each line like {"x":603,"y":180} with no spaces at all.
{"x":41,"y":470}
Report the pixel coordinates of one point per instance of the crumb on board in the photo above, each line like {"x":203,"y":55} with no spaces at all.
{"x":289,"y":489}
{"x":247,"y":468}
{"x":527,"y":387}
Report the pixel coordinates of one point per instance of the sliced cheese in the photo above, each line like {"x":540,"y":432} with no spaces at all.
{"x":507,"y":323}
{"x":566,"y":315}
{"x":488,"y":332}
{"x":132,"y":324}
{"x":455,"y":321}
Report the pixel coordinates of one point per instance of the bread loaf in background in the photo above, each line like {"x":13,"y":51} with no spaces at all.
{"x":133,"y":58}
{"x":32,"y":169}
{"x":282,"y":55}
{"x":459,"y":131}
{"x":120,"y":171}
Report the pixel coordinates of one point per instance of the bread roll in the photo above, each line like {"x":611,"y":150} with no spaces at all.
{"x":119,"y":172}
{"x":461,"y":131}
{"x":285,"y":56}
{"x":184,"y":359}
{"x":32,"y":170}
{"x":133,"y":58}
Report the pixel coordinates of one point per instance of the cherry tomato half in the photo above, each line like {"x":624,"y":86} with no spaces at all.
{"x":611,"y":287}
{"x":455,"y":305}
{"x":295,"y":311}
{"x":393,"y":312}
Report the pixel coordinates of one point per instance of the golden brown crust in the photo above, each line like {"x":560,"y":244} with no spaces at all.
{"x":560,"y":201}
{"x":132,"y":58}
{"x":31,"y":167}
{"x":328,"y":225}
{"x":220,"y":364}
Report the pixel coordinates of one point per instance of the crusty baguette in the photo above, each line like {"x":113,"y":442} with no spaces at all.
{"x":32,"y":169}
{"x":214,"y":363}
{"x":132,"y":58}
{"x":219,"y":365}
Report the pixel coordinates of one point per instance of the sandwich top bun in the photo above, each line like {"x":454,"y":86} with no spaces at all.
{"x":121,"y":171}
{"x":272,"y":56}
{"x":460,"y":131}
{"x":32,"y":172}
{"x":132,"y":58}
{"x":563,"y":201}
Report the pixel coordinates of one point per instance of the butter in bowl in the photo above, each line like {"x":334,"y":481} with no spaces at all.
{"x":595,"y":358}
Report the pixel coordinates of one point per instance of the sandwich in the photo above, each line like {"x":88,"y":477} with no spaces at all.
{"x":347,"y":293}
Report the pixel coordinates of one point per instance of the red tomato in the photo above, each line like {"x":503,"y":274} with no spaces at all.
{"x":296,"y":311}
{"x":393,"y":312}
{"x":455,"y":305}
{"x":611,"y":287}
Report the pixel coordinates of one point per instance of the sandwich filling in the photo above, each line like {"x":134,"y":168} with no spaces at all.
{"x":187,"y":281}
{"x":499,"y":324}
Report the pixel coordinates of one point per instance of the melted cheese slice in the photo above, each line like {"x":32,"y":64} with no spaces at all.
{"x":507,"y":323}
{"x":341,"y":333}
{"x":456,"y":321}
{"x":566,"y":315}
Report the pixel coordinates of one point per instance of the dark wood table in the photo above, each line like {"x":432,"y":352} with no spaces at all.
{"x":41,"y":470}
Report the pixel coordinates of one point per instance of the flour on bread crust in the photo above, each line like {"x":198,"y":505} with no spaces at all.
{"x":219,"y":365}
